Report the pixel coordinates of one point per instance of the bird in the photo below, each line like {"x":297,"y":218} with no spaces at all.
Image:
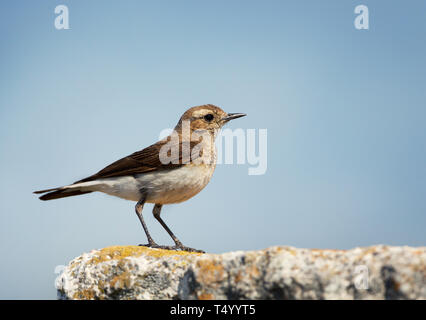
{"x":172,"y":170}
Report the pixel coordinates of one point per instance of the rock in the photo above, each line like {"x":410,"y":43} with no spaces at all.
{"x":133,"y":272}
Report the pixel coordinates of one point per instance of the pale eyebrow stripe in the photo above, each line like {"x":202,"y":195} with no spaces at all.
{"x":200,"y":113}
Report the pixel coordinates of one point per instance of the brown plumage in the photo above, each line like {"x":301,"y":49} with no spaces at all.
{"x":142,"y":161}
{"x":147,"y":160}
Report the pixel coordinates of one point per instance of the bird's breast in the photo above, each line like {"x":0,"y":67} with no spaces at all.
{"x":175,"y":185}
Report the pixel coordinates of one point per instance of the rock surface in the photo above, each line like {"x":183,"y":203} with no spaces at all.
{"x":132,"y":272}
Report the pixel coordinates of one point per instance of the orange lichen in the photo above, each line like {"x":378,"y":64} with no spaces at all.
{"x":238,"y":277}
{"x":86,"y":294}
{"x":206,"y":296}
{"x":210,"y":271}
{"x":253,"y":271}
{"x":121,"y":281}
{"x":418,"y":252}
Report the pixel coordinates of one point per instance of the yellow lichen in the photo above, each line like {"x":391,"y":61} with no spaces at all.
{"x":120,"y":252}
{"x":292,"y":252}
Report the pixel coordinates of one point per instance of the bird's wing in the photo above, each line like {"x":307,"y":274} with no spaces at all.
{"x":143,"y":161}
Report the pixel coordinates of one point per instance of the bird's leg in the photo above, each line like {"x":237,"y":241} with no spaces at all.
{"x":178,"y":245}
{"x":138,"y":209}
{"x":151,"y":242}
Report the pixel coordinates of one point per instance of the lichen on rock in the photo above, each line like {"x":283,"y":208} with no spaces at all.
{"x":135,"y":272}
{"x":114,"y":273}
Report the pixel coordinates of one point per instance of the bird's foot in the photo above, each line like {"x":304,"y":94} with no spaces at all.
{"x":178,"y":247}
{"x":183,"y":248}
{"x":157,"y":246}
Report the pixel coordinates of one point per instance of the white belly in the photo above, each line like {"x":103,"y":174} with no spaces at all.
{"x":162,"y":187}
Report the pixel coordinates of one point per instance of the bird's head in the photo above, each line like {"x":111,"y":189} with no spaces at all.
{"x":206,"y":117}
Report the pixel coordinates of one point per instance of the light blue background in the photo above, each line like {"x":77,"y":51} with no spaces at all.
{"x":344,"y":110}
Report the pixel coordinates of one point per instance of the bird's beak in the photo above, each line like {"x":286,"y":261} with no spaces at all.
{"x":232,"y":116}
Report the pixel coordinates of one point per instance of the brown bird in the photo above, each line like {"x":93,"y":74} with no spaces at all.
{"x":172,"y":170}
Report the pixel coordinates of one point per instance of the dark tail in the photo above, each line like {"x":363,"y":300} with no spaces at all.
{"x":58,"y":193}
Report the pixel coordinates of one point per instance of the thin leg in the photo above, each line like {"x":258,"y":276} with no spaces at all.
{"x":138,"y":209}
{"x":157,"y":211}
{"x":151,"y":242}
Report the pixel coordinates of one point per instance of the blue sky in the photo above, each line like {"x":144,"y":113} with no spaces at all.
{"x":344,"y":108}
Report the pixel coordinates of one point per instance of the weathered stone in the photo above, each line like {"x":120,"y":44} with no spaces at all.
{"x":132,"y":272}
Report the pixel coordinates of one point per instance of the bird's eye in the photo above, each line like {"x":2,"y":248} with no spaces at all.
{"x":208,"y":117}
